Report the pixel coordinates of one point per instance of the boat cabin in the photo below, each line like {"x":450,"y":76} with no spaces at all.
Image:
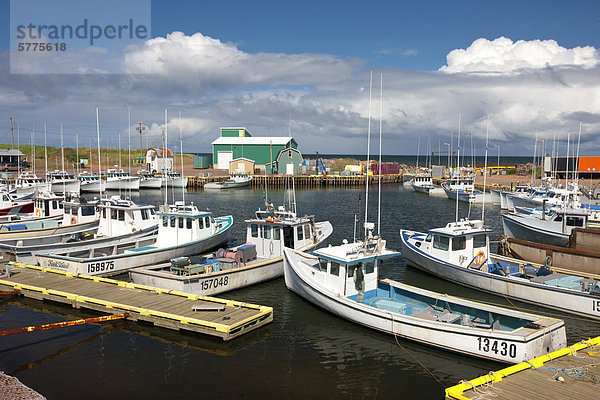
{"x":86,"y":177}
{"x":464,"y":243}
{"x":461,"y":183}
{"x":58,"y":176}
{"x":272,"y":230}
{"x":28,"y":179}
{"x":182,"y":223}
{"x":116,"y":173}
{"x":120,"y":216}
{"x":423,"y":180}
{"x":77,"y":210}
{"x":564,"y":220}
{"x":47,"y":205}
{"x":351,"y":269}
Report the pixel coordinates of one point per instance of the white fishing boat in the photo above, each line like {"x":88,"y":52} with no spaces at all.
{"x":506,"y":196}
{"x":91,"y":183}
{"x":236,"y":180}
{"x":422,"y":183}
{"x":10,"y":206}
{"x":345,"y":281}
{"x":121,"y":221}
{"x":459,"y":252}
{"x":117,"y":179}
{"x":175,"y":180}
{"x":29,"y":182}
{"x":552,"y":227}
{"x":149,"y":181}
{"x":496,"y":197}
{"x":258,"y":260}
{"x":183,"y":231}
{"x":78,"y":219}
{"x":62,"y":182}
{"x":463,"y":186}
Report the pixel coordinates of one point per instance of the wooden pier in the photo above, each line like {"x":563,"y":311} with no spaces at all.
{"x":317,"y":181}
{"x":569,"y":373}
{"x":169,"y":309}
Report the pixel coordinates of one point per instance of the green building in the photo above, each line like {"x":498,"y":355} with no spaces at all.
{"x":239,"y":143}
{"x":288,"y":161}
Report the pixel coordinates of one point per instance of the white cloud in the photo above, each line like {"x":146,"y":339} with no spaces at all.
{"x":502,"y":55}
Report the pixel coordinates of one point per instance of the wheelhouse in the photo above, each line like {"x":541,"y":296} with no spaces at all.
{"x":181,"y":223}
{"x":121,"y":216}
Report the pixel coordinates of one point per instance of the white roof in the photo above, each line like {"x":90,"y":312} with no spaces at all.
{"x":256,"y":140}
{"x":11,"y":152}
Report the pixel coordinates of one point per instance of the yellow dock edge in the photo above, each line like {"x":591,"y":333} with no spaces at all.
{"x":456,"y":392}
{"x":263,"y":310}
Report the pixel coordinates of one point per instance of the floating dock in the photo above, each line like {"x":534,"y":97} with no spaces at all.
{"x":314,"y":181}
{"x":569,"y":373}
{"x":169,"y":309}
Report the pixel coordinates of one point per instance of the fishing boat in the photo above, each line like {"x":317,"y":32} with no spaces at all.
{"x":149,"y":181}
{"x":62,"y":182}
{"x":10,"y":206}
{"x":91,"y":183}
{"x":422,"y":183}
{"x":551,"y":227}
{"x":235,"y":180}
{"x":117,"y":179}
{"x":463,"y":186}
{"x":78,"y":219}
{"x":120,"y":221}
{"x":258,"y":260}
{"x":183,"y":231}
{"x":29,"y":182}
{"x":459,"y":252}
{"x":345,"y":280}
{"x":175,"y":180}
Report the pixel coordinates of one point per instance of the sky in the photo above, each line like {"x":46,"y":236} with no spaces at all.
{"x":303,"y":68}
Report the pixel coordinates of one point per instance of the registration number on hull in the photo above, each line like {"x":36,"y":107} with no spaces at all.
{"x":102,"y":266}
{"x":497,"y":347}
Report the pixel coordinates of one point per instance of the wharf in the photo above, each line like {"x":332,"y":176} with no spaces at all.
{"x":168,"y":309}
{"x":314,"y":181}
{"x":569,"y":373}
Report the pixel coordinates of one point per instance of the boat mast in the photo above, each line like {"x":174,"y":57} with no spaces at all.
{"x":487,"y":134}
{"x":33,"y":148}
{"x":368,"y":156}
{"x":77,"y":146}
{"x":577,"y":159}
{"x":45,"y":154}
{"x":418,"y":153}
{"x":129,"y":146}
{"x":99,"y":160}
{"x":62,"y":159}
{"x":181,"y":155}
{"x":380,"y":136}
{"x":166,"y":132}
{"x":534,"y":161}
{"x":567,"y":168}
{"x":458,"y":165}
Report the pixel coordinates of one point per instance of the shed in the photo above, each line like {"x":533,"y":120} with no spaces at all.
{"x":241,"y":165}
{"x":261,"y":150}
{"x":288,"y":161}
{"x":11,"y":157}
{"x":155,"y":162}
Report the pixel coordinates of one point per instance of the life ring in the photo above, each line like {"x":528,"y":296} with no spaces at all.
{"x":480,"y":258}
{"x":548,"y":261}
{"x":73,"y":220}
{"x":38,"y":213}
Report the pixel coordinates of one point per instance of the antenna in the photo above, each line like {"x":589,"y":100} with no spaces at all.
{"x":380,"y":130}
{"x":181,"y":154}
{"x":166,"y":133}
{"x":99,"y":166}
{"x":368,"y":155}
{"x":487,"y":135}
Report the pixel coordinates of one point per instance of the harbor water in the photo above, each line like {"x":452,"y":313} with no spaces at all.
{"x":306,"y":353}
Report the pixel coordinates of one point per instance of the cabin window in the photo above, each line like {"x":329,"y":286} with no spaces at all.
{"x":87,"y":210}
{"x":351,"y":269}
{"x":145,"y":214}
{"x":335,"y":269}
{"x":54,"y":205}
{"x":188,"y":223}
{"x":113,"y":214}
{"x":152,"y":211}
{"x":67,"y":210}
{"x":479,"y":240}
{"x":322,"y":264}
{"x":180,"y":222}
{"x":307,"y":231}
{"x":254,"y":230}
{"x":299,"y":233}
{"x":121,"y":215}
{"x":207,"y":222}
{"x":200,"y":223}
{"x":441,"y":242}
{"x":276,"y":233}
{"x":266,"y":232}
{"x":558,"y":218}
{"x":173,"y":222}
{"x":369,"y":267}
{"x":428,"y":238}
{"x":104,"y":213}
{"x":459,"y":243}
{"x":165,"y":220}
{"x":575,"y":221}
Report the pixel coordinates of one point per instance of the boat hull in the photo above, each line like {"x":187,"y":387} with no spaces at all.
{"x":177,"y":182}
{"x":20,"y":208}
{"x":150,"y":183}
{"x":516,"y":288}
{"x":67,"y":186}
{"x":123,"y":183}
{"x":446,"y":336}
{"x":92,"y":187}
{"x":54,"y":234}
{"x":516,"y":227}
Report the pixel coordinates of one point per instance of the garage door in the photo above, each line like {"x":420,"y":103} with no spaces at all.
{"x":224,"y":157}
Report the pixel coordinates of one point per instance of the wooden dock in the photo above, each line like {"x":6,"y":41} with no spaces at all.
{"x":569,"y":373}
{"x":169,"y":309}
{"x":317,"y":181}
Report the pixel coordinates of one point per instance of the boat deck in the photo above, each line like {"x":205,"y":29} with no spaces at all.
{"x":174,"y":310}
{"x":569,"y":373}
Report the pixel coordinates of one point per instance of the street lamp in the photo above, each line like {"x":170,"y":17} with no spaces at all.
{"x":498,"y":167}
{"x":140,"y":128}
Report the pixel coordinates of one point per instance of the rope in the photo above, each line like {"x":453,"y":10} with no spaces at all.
{"x":412,"y":356}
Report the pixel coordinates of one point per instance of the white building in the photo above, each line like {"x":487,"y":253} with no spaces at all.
{"x":155,"y":162}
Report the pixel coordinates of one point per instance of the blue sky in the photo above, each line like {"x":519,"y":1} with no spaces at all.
{"x":532,"y":66}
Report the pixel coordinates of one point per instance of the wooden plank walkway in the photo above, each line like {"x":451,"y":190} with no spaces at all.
{"x":569,"y":373}
{"x":169,"y":309}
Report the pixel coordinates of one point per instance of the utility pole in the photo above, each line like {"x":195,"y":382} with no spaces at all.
{"x":12,"y":123}
{"x":140,"y":128}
